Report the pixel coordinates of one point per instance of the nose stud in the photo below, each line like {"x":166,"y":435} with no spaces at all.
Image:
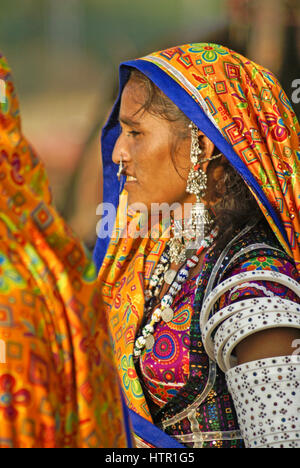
{"x":120,"y":168}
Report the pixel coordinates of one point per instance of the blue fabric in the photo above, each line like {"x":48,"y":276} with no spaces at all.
{"x":127,"y":422}
{"x":152,"y":434}
{"x":186,"y":103}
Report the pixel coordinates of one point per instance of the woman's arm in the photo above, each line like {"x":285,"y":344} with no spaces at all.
{"x":252,"y":337}
{"x":267,"y":343}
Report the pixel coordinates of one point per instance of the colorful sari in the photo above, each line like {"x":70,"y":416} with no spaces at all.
{"x":242,"y":108}
{"x":58,"y":384}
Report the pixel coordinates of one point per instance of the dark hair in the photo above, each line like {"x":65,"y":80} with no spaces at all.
{"x":229,"y":198}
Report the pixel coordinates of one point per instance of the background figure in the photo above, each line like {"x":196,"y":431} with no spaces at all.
{"x":58,"y":384}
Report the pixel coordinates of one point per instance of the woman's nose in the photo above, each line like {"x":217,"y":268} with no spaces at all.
{"x":120,"y":151}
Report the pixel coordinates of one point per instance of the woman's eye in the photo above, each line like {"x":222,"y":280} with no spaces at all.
{"x":130,"y":133}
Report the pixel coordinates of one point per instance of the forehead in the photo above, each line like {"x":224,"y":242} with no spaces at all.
{"x":134,"y":109}
{"x":133,"y":98}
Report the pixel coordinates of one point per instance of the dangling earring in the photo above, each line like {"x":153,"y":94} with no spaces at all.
{"x":185,"y":236}
{"x":197,"y":179}
{"x":120,"y":168}
{"x":188,"y":237}
{"x":200,"y":221}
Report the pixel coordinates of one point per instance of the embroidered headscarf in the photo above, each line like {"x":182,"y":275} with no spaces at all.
{"x":58,"y":385}
{"x":242,"y":108}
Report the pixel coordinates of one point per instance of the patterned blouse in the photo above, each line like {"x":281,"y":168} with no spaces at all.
{"x":165,"y":369}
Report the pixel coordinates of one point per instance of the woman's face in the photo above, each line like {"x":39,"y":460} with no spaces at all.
{"x":145,"y":145}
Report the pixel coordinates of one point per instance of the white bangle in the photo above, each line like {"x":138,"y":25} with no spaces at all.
{"x":251,"y":305}
{"x":263,"y":275}
{"x":266,"y":395}
{"x":225,"y":343}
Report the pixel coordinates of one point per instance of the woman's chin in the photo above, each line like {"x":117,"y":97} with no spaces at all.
{"x":137,"y":201}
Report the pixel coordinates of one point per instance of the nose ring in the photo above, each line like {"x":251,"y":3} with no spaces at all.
{"x":120,"y":168}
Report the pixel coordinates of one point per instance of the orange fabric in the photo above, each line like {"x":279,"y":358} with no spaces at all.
{"x":58,"y":385}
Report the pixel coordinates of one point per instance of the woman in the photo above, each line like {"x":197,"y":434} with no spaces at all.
{"x":58,"y":385}
{"x":205,"y":344}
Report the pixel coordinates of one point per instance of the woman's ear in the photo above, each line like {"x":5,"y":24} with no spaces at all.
{"x":207,"y":147}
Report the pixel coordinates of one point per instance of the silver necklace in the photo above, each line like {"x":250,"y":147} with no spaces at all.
{"x":165,"y":312}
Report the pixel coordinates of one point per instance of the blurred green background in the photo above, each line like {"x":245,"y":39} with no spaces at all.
{"x":65,"y":55}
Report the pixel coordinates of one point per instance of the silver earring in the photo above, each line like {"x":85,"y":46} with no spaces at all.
{"x":200,"y":221}
{"x":197,"y":179}
{"x":186,"y":237}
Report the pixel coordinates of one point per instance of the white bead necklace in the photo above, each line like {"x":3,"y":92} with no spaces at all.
{"x":165,"y":312}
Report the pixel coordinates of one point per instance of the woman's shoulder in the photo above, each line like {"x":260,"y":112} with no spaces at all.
{"x":258,"y":248}
{"x":268,"y":270}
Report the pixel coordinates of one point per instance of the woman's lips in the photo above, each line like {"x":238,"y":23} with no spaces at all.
{"x":130,"y":180}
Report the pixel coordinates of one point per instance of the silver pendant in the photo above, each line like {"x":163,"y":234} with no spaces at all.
{"x":177,"y":251}
{"x":150,"y":342}
{"x":170,"y":276}
{"x":167,"y":315}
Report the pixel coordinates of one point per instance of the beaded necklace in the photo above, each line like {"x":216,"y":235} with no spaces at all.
{"x":165,"y":312}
